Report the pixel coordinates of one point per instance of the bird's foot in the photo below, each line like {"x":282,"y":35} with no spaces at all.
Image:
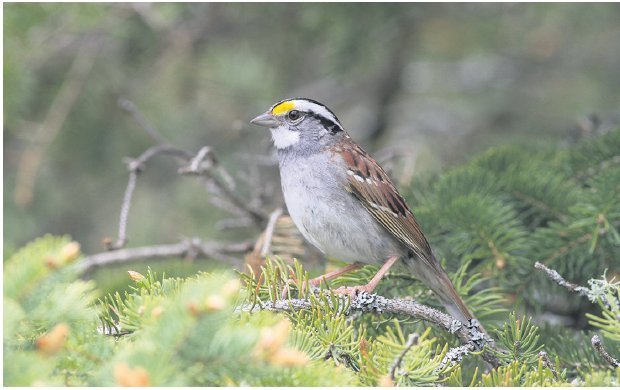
{"x":354,"y":291}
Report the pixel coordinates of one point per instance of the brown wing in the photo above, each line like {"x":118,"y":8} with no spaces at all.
{"x":370,"y":184}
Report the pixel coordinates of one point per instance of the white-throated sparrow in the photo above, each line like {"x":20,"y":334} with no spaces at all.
{"x":344,"y":203}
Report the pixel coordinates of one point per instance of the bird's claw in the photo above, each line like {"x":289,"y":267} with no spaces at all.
{"x":354,"y":291}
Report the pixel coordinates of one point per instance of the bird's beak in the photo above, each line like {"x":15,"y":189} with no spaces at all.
{"x":266,"y":120}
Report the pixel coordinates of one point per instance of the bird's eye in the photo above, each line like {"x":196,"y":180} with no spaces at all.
{"x":294,"y":115}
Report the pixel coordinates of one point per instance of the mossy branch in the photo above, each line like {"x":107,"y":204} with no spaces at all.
{"x":470,"y":334}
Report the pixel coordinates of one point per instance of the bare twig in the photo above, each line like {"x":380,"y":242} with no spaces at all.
{"x":598,"y":345}
{"x":202,"y":165}
{"x":187,"y":248}
{"x":572,"y":287}
{"x":135,"y":166}
{"x":122,"y":224}
{"x":268,"y":235}
{"x":411,"y":341}
{"x":556,"y":277}
{"x":469,"y":333}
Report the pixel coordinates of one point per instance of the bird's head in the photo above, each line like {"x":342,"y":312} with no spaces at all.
{"x":300,"y":124}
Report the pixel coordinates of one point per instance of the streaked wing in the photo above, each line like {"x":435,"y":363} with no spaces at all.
{"x":371,"y":185}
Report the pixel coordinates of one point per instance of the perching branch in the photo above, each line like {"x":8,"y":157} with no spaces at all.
{"x":598,"y":345}
{"x":469,"y":334}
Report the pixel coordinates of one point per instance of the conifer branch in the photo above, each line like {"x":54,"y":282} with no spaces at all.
{"x":470,"y":334}
{"x":571,"y":245}
{"x":540,"y":205}
{"x":598,"y":346}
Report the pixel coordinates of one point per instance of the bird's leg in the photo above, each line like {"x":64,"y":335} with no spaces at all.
{"x":334,"y":274}
{"x":328,"y":276}
{"x":353,"y":291}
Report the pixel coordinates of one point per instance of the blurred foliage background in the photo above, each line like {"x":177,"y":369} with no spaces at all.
{"x":437,"y":82}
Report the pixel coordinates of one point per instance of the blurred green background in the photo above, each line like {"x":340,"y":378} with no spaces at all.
{"x":438,"y":82}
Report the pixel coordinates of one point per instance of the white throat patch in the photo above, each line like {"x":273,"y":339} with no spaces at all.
{"x":283,"y":137}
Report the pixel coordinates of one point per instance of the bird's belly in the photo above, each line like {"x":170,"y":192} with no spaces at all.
{"x":334,"y":221}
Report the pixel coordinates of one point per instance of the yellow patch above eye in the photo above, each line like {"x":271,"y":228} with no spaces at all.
{"x":283,"y":108}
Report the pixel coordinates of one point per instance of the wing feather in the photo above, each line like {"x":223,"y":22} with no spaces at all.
{"x":369,"y":183}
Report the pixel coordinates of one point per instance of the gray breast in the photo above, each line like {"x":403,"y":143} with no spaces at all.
{"x":328,"y":216}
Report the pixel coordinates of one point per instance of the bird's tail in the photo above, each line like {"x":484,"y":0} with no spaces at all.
{"x":434,"y":277}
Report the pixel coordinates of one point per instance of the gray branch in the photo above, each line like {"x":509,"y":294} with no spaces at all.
{"x":572,"y":287}
{"x":130,"y":108}
{"x":556,"y":277}
{"x":455,"y":355}
{"x":598,"y":345}
{"x":204,"y":164}
{"x":469,"y":334}
{"x":135,"y":166}
{"x":191,"y":248}
{"x":271,"y":225}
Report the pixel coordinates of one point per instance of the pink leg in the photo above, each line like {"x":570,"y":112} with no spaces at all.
{"x":334,"y":274}
{"x":328,"y":276}
{"x":373,"y":282}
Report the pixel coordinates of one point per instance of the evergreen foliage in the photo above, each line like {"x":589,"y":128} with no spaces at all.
{"x":490,"y":220}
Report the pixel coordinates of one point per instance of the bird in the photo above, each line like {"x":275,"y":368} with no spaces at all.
{"x":344,"y":203}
